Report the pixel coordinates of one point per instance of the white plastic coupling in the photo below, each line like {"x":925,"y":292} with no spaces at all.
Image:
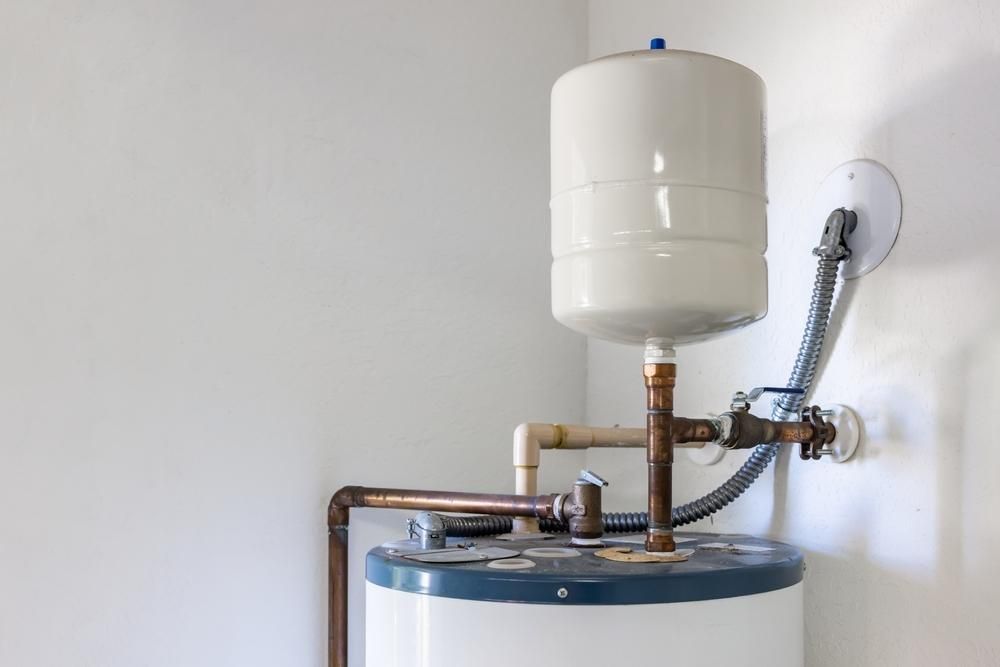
{"x":659,"y":351}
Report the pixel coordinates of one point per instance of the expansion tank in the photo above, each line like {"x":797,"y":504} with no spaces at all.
{"x":659,"y":197}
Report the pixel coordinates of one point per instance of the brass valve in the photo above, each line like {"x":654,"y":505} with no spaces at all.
{"x":582,"y":509}
{"x":738,"y":429}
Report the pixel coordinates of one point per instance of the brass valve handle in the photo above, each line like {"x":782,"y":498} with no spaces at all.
{"x":742,"y":400}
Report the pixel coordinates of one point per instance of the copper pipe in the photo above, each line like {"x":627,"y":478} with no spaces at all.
{"x":338,"y":519}
{"x":693,"y":430}
{"x":792,"y":432}
{"x":337,"y":582}
{"x":753,"y":431}
{"x":447,"y":501}
{"x":659,"y":379}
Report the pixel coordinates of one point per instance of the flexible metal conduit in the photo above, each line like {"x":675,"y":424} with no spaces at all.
{"x":481,"y":526}
{"x":785,"y":407}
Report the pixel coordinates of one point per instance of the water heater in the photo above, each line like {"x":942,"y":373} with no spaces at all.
{"x":659,"y":196}
{"x":738,"y":602}
{"x":659,"y":231}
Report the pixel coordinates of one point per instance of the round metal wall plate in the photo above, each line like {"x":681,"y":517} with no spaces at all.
{"x":867,"y":188}
{"x":848,"y":432}
{"x":709,"y":454}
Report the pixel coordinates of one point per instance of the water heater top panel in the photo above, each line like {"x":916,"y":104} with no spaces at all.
{"x":658,"y":196}
{"x":716,"y":570}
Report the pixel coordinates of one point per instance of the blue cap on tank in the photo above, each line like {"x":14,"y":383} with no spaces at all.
{"x":657,"y":43}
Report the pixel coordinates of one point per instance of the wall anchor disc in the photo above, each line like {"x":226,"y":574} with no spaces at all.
{"x":867,"y":188}
{"x":848,"y":426}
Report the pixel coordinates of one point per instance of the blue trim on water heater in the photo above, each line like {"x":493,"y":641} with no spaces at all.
{"x":588,"y":580}
{"x":657,"y":43}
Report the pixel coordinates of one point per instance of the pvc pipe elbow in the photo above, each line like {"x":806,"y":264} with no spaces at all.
{"x":529,"y":440}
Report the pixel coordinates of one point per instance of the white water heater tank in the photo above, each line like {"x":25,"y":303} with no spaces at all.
{"x":659,"y":196}
{"x":737,"y":600}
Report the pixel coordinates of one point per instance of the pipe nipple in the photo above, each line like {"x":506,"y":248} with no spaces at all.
{"x":659,"y":540}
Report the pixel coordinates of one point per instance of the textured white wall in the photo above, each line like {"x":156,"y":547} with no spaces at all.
{"x":253,"y":252}
{"x":902,"y":543}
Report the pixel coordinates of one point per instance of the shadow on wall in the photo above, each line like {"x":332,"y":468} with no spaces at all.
{"x":943,"y":137}
{"x":942,"y":254}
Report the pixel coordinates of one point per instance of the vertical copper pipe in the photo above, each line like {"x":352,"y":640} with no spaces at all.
{"x":338,"y":517}
{"x":338,"y":597}
{"x":660,"y":379}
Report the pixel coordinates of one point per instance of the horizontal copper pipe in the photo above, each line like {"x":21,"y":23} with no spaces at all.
{"x":693,"y":430}
{"x":789,"y":432}
{"x":542,"y":507}
{"x":338,"y":518}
